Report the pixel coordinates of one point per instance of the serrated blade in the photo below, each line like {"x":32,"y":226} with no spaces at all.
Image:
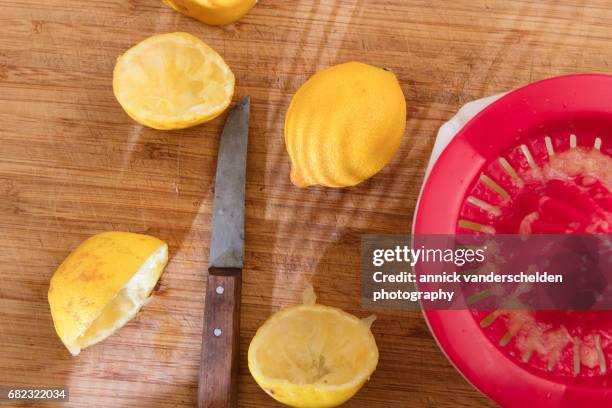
{"x":227,"y":231}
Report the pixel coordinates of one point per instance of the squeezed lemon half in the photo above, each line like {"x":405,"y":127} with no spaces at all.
{"x":213,"y":12}
{"x":313,"y":356}
{"x":172,"y":81}
{"x":102,"y":284}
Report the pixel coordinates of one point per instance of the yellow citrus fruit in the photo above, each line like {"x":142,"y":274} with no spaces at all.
{"x":344,"y":125}
{"x":172,"y":81}
{"x":313,"y":356}
{"x":213,"y":12}
{"x":102,"y":284}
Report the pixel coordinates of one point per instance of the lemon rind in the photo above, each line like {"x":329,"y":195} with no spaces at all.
{"x":214,"y":14}
{"x":153,"y":265}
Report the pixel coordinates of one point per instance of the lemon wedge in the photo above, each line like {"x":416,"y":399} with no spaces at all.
{"x":313,"y":356}
{"x":102,"y":284}
{"x":172,"y":81}
{"x":213,"y":12}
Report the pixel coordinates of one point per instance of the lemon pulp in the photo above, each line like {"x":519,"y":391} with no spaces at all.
{"x":172,"y":81}
{"x":319,"y":346}
{"x":313,"y":356}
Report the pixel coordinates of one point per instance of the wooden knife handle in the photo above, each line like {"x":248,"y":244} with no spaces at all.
{"x":218,"y":383}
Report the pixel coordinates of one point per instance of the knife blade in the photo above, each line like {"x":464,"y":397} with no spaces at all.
{"x":220,"y":336}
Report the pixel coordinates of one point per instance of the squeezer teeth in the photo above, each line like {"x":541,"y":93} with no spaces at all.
{"x":572,"y":141}
{"x":489,"y":319}
{"x":576,"y":356}
{"x":483,"y":205}
{"x":495,"y":211}
{"x":529,"y":157}
{"x":597,"y":144}
{"x":549,"y":146}
{"x":525,"y":358}
{"x":508,"y":169}
{"x":495,"y":186}
{"x":505,"y":339}
{"x":600,"y":355}
{"x":474,"y":226}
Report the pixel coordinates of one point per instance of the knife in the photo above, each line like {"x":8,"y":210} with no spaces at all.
{"x":220,"y":337}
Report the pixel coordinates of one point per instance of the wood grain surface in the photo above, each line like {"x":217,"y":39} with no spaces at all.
{"x":73,"y":164}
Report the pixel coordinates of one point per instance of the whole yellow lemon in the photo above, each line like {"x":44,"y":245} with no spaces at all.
{"x":344,"y":125}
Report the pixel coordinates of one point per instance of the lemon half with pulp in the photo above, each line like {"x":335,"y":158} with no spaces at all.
{"x":102,"y":284}
{"x":172,"y":81}
{"x":313,"y":356}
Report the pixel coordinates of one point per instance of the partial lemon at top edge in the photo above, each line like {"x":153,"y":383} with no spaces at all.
{"x":172,"y":81}
{"x":102,"y":284}
{"x":313,"y":356}
{"x":344,"y":124}
{"x":213,"y":12}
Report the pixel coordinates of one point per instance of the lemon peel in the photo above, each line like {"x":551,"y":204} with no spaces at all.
{"x":102,"y":284}
{"x":213,"y":12}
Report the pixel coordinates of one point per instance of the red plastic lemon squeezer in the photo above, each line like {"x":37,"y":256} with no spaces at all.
{"x":538,"y":160}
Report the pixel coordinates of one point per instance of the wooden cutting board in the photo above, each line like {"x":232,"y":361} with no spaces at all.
{"x":73,"y":164}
